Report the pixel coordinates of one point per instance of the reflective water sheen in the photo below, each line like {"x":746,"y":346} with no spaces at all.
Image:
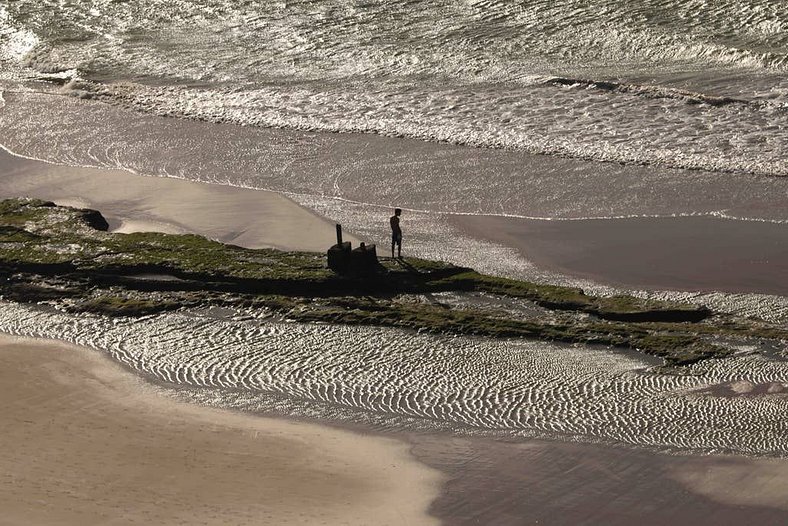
{"x":651,"y":88}
{"x":395,"y":378}
{"x":534,"y":77}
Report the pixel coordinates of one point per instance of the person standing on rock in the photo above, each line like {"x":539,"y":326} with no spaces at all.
{"x":396,"y":233}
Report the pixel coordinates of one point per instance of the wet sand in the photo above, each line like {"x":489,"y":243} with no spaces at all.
{"x":250,"y":218}
{"x":538,"y":482}
{"x":684,"y":253}
{"x":84,"y":442}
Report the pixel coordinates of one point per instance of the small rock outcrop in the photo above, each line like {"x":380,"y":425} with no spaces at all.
{"x":94,"y":219}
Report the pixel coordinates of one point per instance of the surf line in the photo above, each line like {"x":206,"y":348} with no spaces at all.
{"x":718,"y":214}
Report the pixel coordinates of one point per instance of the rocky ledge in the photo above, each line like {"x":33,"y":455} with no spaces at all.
{"x":65,"y":257}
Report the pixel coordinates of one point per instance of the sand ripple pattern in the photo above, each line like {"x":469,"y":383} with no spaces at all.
{"x":397,"y":378}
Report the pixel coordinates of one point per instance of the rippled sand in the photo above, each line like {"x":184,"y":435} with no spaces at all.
{"x":392,"y":379}
{"x":228,"y":63}
{"x":85,"y":442}
{"x":396,"y":380}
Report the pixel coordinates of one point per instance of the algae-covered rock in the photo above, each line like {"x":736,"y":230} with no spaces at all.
{"x":65,"y":256}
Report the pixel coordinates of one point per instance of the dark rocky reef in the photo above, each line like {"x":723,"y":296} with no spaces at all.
{"x":651,"y":92}
{"x":65,"y":256}
{"x":93,"y":219}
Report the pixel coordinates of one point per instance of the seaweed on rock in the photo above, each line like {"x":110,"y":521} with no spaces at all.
{"x":62,"y":254}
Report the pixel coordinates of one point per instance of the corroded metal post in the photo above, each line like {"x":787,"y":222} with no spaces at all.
{"x":339,"y":234}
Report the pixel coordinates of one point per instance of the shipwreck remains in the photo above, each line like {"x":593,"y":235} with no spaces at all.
{"x":344,"y":259}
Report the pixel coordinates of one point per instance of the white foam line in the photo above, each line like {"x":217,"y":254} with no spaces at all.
{"x":720,"y":214}
{"x":119,"y":166}
{"x":303,"y":124}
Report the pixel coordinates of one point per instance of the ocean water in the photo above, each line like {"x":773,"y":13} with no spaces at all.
{"x":684,"y":105}
{"x":678,"y":84}
{"x":559,"y":110}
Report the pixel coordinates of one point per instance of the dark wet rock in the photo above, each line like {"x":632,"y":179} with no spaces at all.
{"x":47,"y":255}
{"x":652,"y":92}
{"x":94,"y":219}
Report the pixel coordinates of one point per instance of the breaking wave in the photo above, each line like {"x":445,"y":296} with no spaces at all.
{"x":488,"y":74}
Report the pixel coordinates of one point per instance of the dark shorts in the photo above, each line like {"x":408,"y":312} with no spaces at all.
{"x":396,"y":238}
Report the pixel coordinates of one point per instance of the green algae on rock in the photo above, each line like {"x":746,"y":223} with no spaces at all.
{"x":65,"y":256}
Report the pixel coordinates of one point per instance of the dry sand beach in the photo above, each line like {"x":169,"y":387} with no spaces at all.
{"x":539,"y":482}
{"x":615,"y":173}
{"x":84,"y":442}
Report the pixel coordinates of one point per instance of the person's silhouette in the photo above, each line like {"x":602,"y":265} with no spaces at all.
{"x":396,"y":233}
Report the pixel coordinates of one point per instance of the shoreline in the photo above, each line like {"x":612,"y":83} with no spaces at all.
{"x":484,"y":480}
{"x":93,"y":441}
{"x":375,"y":170}
{"x":267,"y":219}
{"x":343,"y":175}
{"x":137,"y":203}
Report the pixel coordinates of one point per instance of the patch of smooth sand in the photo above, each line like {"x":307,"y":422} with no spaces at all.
{"x":84,"y":442}
{"x":671,"y":253}
{"x":240,"y":216}
{"x":546,"y":482}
